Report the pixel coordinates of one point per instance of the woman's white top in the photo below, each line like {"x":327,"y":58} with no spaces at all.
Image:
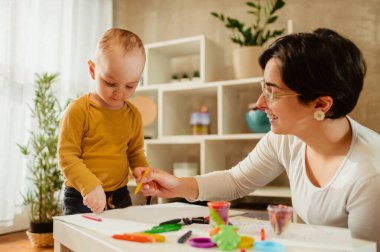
{"x":350,"y":200}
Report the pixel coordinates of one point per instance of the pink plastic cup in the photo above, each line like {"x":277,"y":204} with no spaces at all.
{"x":279,"y":216}
{"x":218,"y":212}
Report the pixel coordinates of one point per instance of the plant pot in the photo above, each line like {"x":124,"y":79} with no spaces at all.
{"x":41,"y":240}
{"x":41,"y":234}
{"x":41,"y":227}
{"x":246,"y":62}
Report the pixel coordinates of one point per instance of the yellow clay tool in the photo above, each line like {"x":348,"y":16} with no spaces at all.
{"x":140,"y":183}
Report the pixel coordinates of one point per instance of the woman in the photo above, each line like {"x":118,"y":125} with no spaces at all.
{"x":311,"y":82}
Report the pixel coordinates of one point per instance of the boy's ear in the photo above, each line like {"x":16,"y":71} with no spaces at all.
{"x":91,"y":68}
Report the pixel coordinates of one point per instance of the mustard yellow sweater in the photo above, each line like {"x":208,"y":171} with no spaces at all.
{"x":96,"y":146}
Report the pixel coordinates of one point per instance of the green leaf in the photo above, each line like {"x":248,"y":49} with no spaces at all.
{"x":271,"y":19}
{"x":237,"y":41}
{"x":252,"y":4}
{"x":215,"y":14}
{"x":278,"y":5}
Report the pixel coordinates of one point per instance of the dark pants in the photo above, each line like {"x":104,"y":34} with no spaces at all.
{"x":73,"y":200}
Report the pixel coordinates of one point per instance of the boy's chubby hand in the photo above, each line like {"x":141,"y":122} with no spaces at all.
{"x":95,"y":200}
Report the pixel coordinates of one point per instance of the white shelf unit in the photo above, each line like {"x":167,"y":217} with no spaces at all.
{"x":230,"y":139}
{"x":161,"y":56}
{"x":179,"y":103}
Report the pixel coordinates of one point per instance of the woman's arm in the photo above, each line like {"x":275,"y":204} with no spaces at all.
{"x":260,"y":167}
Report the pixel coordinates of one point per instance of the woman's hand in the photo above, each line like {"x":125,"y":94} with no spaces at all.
{"x":159,"y":183}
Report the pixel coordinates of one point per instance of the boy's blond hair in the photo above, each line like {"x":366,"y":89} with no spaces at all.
{"x":127,"y":40}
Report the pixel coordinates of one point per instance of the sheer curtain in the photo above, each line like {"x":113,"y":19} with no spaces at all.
{"x":40,"y":36}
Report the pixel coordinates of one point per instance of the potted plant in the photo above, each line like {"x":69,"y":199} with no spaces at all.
{"x":185,"y":77}
{"x":251,"y":38}
{"x":174,"y":78}
{"x":43,"y":198}
{"x":196,"y":76}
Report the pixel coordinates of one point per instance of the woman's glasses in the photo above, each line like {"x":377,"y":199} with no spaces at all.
{"x":270,"y":95}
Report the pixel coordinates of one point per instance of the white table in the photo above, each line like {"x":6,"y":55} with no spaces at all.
{"x":69,"y":236}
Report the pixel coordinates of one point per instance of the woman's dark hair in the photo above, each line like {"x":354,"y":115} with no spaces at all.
{"x":321,"y":63}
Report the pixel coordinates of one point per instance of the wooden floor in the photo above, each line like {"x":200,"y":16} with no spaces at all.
{"x":19,"y":242}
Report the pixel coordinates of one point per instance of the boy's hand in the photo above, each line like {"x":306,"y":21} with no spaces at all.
{"x":95,"y":200}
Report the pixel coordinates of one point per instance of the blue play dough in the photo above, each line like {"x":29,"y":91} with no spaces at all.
{"x":257,"y":121}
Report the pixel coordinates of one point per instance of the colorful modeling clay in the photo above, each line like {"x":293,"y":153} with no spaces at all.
{"x":214,"y":231}
{"x":214,"y":216}
{"x":245,"y":242}
{"x":226,"y":238}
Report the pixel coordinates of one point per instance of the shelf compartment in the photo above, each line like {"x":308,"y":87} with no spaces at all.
{"x":224,"y":154}
{"x":182,"y":55}
{"x":177,"y":106}
{"x":164,"y":155}
{"x":234,"y":102}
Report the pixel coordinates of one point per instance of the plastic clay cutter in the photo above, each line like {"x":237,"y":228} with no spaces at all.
{"x":268,"y":246}
{"x":164,"y":228}
{"x":201,"y":242}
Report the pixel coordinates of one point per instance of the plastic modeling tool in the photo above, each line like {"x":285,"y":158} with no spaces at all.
{"x":262,"y":234}
{"x":134,"y":237}
{"x":170,"y":222}
{"x":184,"y":237}
{"x":201,"y":242}
{"x":164,"y":228}
{"x":268,"y":246}
{"x":140,"y":183}
{"x":91,"y":217}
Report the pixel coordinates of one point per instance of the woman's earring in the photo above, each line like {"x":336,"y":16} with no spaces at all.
{"x":319,"y":115}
